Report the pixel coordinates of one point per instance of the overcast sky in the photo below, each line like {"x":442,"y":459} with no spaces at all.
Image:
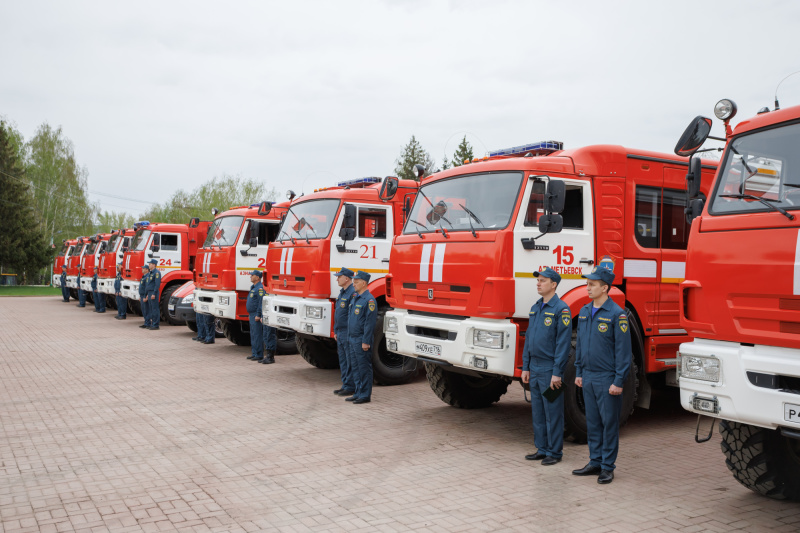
{"x":158,"y":96}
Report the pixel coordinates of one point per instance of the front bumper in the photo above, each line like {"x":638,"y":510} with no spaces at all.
{"x":181,"y":311}
{"x":130,"y":289}
{"x":754,"y":399}
{"x":291,"y":312}
{"x":105,"y":285}
{"x":452,"y":341}
{"x":56,"y":280}
{"x":72,"y":282}
{"x":217,"y":303}
{"x":86,"y":284}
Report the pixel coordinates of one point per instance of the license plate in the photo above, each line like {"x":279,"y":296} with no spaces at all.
{"x":791,"y":413}
{"x":424,"y":348}
{"x":283,"y":320}
{"x":204,"y":308}
{"x":171,"y":307}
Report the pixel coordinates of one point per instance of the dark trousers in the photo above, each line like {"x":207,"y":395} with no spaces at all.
{"x":200,"y":320}
{"x":270,"y":336}
{"x":256,"y":337}
{"x":155,"y":312}
{"x":363,"y":369}
{"x":65,"y":292}
{"x":548,"y":417}
{"x":81,"y":297}
{"x":122,"y":306}
{"x":602,"y":419}
{"x":145,"y":309}
{"x":99,"y":301}
{"x":211,"y":329}
{"x":346,"y":363}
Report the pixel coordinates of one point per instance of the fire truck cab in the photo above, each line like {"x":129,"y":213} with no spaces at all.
{"x":174,"y":246}
{"x":461,"y":274}
{"x":73,"y":262}
{"x":343,"y":226}
{"x":114,"y":253}
{"x":90,"y":259}
{"x":61,"y":259}
{"x":741,"y":298}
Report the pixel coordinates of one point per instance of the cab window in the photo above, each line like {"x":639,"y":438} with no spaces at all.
{"x":265,"y":232}
{"x":660,"y":218}
{"x":169,"y":243}
{"x":573,"y":206}
{"x":371,"y":223}
{"x":648,"y":213}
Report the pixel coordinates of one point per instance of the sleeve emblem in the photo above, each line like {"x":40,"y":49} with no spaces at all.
{"x":565,"y":318}
{"x":371,"y":305}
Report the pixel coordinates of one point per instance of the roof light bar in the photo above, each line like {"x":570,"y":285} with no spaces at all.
{"x":542,"y":147}
{"x":358,"y":181}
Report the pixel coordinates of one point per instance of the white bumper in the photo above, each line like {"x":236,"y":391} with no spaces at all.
{"x":72,"y":282}
{"x":739,"y":399}
{"x":56,"y":280}
{"x":217,"y":303}
{"x":291,"y":312}
{"x":86,"y":284}
{"x":130,"y":289}
{"x":105,"y":285}
{"x":458,"y":349}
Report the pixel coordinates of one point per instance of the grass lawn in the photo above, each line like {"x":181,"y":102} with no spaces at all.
{"x":28,"y":290}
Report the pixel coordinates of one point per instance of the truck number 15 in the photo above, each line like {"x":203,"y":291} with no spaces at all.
{"x":565,"y":253}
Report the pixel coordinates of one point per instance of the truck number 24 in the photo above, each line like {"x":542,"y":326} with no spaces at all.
{"x":565,"y":253}
{"x":164,"y":262}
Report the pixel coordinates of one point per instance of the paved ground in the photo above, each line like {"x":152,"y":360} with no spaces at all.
{"x":106,"y":426}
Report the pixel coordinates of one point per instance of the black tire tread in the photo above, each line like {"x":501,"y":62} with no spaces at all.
{"x":235,"y":333}
{"x":453,"y":389}
{"x":317,"y":353}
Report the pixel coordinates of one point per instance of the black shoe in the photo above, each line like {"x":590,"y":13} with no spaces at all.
{"x":123,"y":318}
{"x":208,"y":342}
{"x":361,"y":400}
{"x":345,"y":392}
{"x":269,"y":360}
{"x":547,"y":461}
{"x":350,"y":399}
{"x":587,"y":470}
{"x":95,"y":311}
{"x":154,"y":327}
{"x":337,"y":391}
{"x":194,"y":338}
{"x":258,"y":359}
{"x":144,"y":326}
{"x":103,"y":311}
{"x":538,"y":456}
{"x":605,"y":477}
{"x":251,"y":357}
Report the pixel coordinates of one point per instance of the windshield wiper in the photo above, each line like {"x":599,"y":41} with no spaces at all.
{"x":312,"y":229}
{"x":290,"y":237}
{"x":471,"y":216}
{"x":762,"y":200}
{"x":744,"y":163}
{"x":418,"y":224}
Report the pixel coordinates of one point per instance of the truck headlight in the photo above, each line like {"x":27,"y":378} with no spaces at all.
{"x":188,"y":299}
{"x":224,"y":300}
{"x":702,"y":368}
{"x":487,"y":339}
{"x":391,"y":325}
{"x":313,"y":312}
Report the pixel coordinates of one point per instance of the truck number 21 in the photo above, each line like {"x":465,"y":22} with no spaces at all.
{"x":365,"y":252}
{"x":565,"y":253}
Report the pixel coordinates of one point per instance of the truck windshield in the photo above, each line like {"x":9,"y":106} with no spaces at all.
{"x":760,"y":167}
{"x":479,"y":201}
{"x":90,"y":248}
{"x":140,"y":239}
{"x":112,"y":242}
{"x":223,"y":231}
{"x":309,"y":220}
{"x":63,"y":251}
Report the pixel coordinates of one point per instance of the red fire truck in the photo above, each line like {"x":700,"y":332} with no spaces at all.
{"x":174,"y":246}
{"x":113,"y":253}
{"x":91,"y":257}
{"x":61,"y":259}
{"x":461,"y":273}
{"x":73,"y":262}
{"x":741,"y":298}
{"x":237,"y":244}
{"x":343,"y":226}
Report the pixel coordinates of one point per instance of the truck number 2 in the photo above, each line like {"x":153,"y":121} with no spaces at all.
{"x":262,"y":263}
{"x":565,"y":254}
{"x":164,"y":262}
{"x":365,"y":252}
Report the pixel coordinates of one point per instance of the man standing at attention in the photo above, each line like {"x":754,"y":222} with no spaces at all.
{"x":122,"y":302}
{"x":602,"y":363}
{"x":346,"y":290}
{"x":143,"y":296}
{"x":153,"y":286}
{"x":99,"y":298}
{"x":64,"y":288}
{"x":253,"y":304}
{"x":360,"y":327}
{"x":546,"y":351}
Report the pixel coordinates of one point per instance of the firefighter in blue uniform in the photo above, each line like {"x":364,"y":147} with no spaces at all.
{"x":81,"y":294}
{"x":98,"y":297}
{"x":547,"y":344}
{"x":122,"y":302}
{"x":143,"y":296}
{"x":346,"y":364}
{"x":253,"y":306}
{"x":64,"y":288}
{"x":270,"y":336}
{"x":210,"y":329}
{"x":602,"y":364}
{"x":363,"y":313}
{"x":200,"y":320}
{"x":153,"y":286}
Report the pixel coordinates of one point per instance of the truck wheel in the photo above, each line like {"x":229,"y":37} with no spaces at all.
{"x":111,"y":301}
{"x":134,"y":307}
{"x":574,"y":407}
{"x":234,"y":332}
{"x":461,"y":390}
{"x":389,"y":368}
{"x":219,"y":332}
{"x":287,"y":342}
{"x":166,"y":294}
{"x":192,"y":326}
{"x":317,"y":351}
{"x":762,"y":459}
{"x":73,"y":293}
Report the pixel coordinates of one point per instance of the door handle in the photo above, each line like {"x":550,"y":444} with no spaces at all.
{"x":384,"y":260}
{"x":587,"y":261}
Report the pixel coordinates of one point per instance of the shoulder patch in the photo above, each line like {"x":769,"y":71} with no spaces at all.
{"x":371,"y":305}
{"x":565,"y":310}
{"x":565,"y":318}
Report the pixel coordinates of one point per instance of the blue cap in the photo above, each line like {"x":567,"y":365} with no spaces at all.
{"x":548,"y":273}
{"x":63,"y":266}
{"x":602,"y":273}
{"x":144,"y":266}
{"x":255,"y":273}
{"x":153,"y":262}
{"x":344,"y":272}
{"x":362,"y":275}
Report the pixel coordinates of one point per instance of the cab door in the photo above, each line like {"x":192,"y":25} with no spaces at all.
{"x":169,"y":251}
{"x":371,"y":245}
{"x":253,"y":258}
{"x":570,"y":252}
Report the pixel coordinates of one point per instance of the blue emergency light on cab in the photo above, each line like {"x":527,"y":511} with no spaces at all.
{"x":359,"y":182}
{"x":540,"y":148}
{"x":141,"y":224}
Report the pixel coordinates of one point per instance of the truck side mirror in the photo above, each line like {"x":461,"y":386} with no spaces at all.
{"x":194,"y":222}
{"x":693,"y":209}
{"x":693,"y":178}
{"x":155,"y":247}
{"x":348,"y":230}
{"x":264,"y":208}
{"x":388,"y":188}
{"x":347,"y":234}
{"x":555,"y":196}
{"x":156,"y":239}
{"x":693,"y":137}
{"x":253,"y":242}
{"x":551,"y":223}
{"x":406,"y":208}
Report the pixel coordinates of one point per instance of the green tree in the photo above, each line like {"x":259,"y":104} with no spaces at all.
{"x":107,"y":221}
{"x":463,"y":152}
{"x":413,"y":154}
{"x":23,"y":248}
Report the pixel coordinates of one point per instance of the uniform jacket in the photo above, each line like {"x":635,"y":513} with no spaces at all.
{"x":604,"y":342}
{"x":362,"y":317}
{"x":548,"y":338}
{"x":118,"y":283}
{"x":254,"y":299}
{"x":63,"y":279}
{"x":153,"y":282}
{"x":94,"y":282}
{"x":143,"y":284}
{"x":343,"y":308}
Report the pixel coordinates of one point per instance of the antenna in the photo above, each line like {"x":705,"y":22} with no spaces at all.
{"x":777,"y":105}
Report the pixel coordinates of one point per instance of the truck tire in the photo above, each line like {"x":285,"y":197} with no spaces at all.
{"x":317,"y":351}
{"x":389,"y":368}
{"x":574,"y":407}
{"x":111,"y":301}
{"x":219,"y":332}
{"x":134,"y":307}
{"x":234,"y":332}
{"x":73,"y":293}
{"x":192,"y":326}
{"x":762,"y":459}
{"x":463,"y":391}
{"x":166,"y":294}
{"x":287,"y":342}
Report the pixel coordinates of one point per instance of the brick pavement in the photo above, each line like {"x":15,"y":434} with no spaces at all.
{"x":108,"y":427}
